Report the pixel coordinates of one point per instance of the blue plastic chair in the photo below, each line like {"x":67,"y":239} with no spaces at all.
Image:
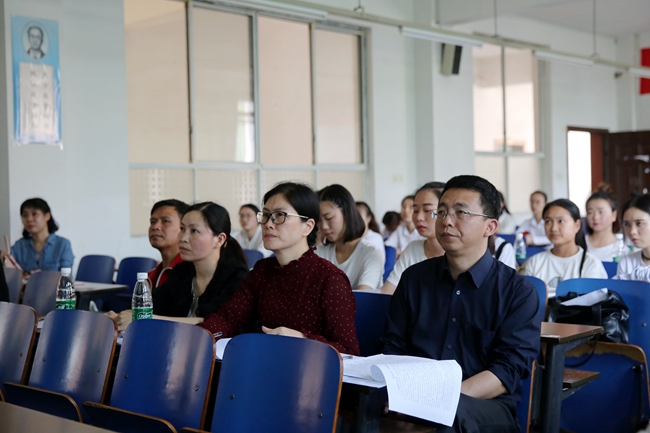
{"x":389,"y":264}
{"x":540,"y":286}
{"x":127,"y":274}
{"x":530,"y":252}
{"x":71,"y":365}
{"x":617,"y":398}
{"x":162,"y":379}
{"x":634,"y":293}
{"x":96,"y":269}
{"x":510,"y":238}
{"x":17,"y":332}
{"x":372,"y":311}
{"x":14,"y":278}
{"x":40,"y":291}
{"x":611,"y":268}
{"x":271,"y":383}
{"x":252,"y":257}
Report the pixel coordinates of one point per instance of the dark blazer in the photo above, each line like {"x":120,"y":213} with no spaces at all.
{"x":4,"y":290}
{"x":174,"y":297}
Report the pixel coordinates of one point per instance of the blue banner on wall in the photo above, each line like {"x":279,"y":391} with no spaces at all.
{"x":37,"y":81}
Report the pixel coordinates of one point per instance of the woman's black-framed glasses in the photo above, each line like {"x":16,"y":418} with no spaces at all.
{"x":277,"y":217}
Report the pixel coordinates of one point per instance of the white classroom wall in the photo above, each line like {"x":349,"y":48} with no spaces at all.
{"x":417,"y":132}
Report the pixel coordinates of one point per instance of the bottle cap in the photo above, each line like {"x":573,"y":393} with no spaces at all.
{"x":519,"y":236}
{"x":142,"y":275}
{"x":619,"y":236}
{"x":66,"y":271}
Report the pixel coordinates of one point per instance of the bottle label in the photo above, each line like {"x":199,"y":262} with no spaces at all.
{"x":142,"y":313}
{"x":520,"y":255}
{"x":67,"y":304}
{"x":616,"y":259}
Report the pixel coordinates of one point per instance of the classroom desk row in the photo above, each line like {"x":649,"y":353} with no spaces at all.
{"x":559,"y":339}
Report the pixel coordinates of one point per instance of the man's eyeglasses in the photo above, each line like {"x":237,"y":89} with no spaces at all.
{"x":456,"y":214}
{"x":277,"y":217}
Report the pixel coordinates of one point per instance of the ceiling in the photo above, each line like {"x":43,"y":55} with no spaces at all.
{"x":613,"y":17}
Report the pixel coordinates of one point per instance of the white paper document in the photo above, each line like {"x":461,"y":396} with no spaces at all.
{"x":221,"y":347}
{"x":420,"y":387}
{"x":588,"y":299}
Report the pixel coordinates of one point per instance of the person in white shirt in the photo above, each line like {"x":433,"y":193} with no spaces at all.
{"x":568,"y":258}
{"x":405,"y":232}
{"x":371,"y":235}
{"x":390,"y":221}
{"x":250,"y":235}
{"x":507,"y":223}
{"x":342,"y":229}
{"x":602,"y":223}
{"x":425,"y":202}
{"x":636,"y":224}
{"x":535,"y":226}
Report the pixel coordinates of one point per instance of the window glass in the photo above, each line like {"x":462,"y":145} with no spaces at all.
{"x":338,"y":93}
{"x":520,"y":67}
{"x":156,"y":81}
{"x":230,"y":189}
{"x":492,"y":168}
{"x":488,"y":99}
{"x":285,"y":92}
{"x":272,"y":177}
{"x":148,"y":186}
{"x":354,"y":181}
{"x":224,"y":127}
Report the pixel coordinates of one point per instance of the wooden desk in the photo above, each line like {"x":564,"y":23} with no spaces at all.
{"x":16,"y":419}
{"x":87,"y":291}
{"x":559,"y":339}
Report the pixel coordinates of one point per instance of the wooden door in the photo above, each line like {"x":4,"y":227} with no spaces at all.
{"x":627,"y":163}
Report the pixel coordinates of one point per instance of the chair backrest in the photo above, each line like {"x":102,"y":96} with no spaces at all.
{"x":40,"y":291}
{"x":96,"y":269}
{"x":617,"y":398}
{"x":271,"y":383}
{"x":389,"y":264}
{"x":636,"y":295}
{"x":252,"y":257}
{"x":531,"y":251}
{"x":127,"y":272}
{"x":165,"y":371}
{"x":370,"y":318}
{"x":17,"y":331}
{"x":14,"y":278}
{"x":510,"y":238}
{"x":74,"y":355}
{"x":611,"y":268}
{"x":525,"y":404}
{"x":540,"y":286}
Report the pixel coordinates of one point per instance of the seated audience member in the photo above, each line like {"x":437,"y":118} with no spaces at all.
{"x":164,"y":228}
{"x":40,"y":249}
{"x":371,"y":235}
{"x":535,"y":226}
{"x":342,"y":229}
{"x":405,"y":232}
{"x":602,"y":223}
{"x":295,"y":293}
{"x":469,"y":307}
{"x":424,"y":204}
{"x":569,"y":257}
{"x":250,"y":235}
{"x":636,"y":224}
{"x":390,"y":221}
{"x":213,"y":267}
{"x":502,"y":250}
{"x":507,"y":222}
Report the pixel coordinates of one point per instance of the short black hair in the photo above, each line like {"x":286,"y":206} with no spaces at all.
{"x":39,"y":204}
{"x":641,"y":202}
{"x":251,"y":206}
{"x":37,"y":28}
{"x":340,"y":197}
{"x":542,"y":193}
{"x":303,"y":199}
{"x":490,"y":201}
{"x":390,"y":218}
{"x":434,"y":187}
{"x":181,"y":207}
{"x":505,"y":206}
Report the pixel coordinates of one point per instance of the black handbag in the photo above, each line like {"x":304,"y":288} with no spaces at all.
{"x":612,"y":314}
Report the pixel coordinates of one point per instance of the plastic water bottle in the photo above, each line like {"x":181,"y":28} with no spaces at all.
{"x":520,"y":246}
{"x":142,"y":302}
{"x":66,"y":299}
{"x":620,"y":249}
